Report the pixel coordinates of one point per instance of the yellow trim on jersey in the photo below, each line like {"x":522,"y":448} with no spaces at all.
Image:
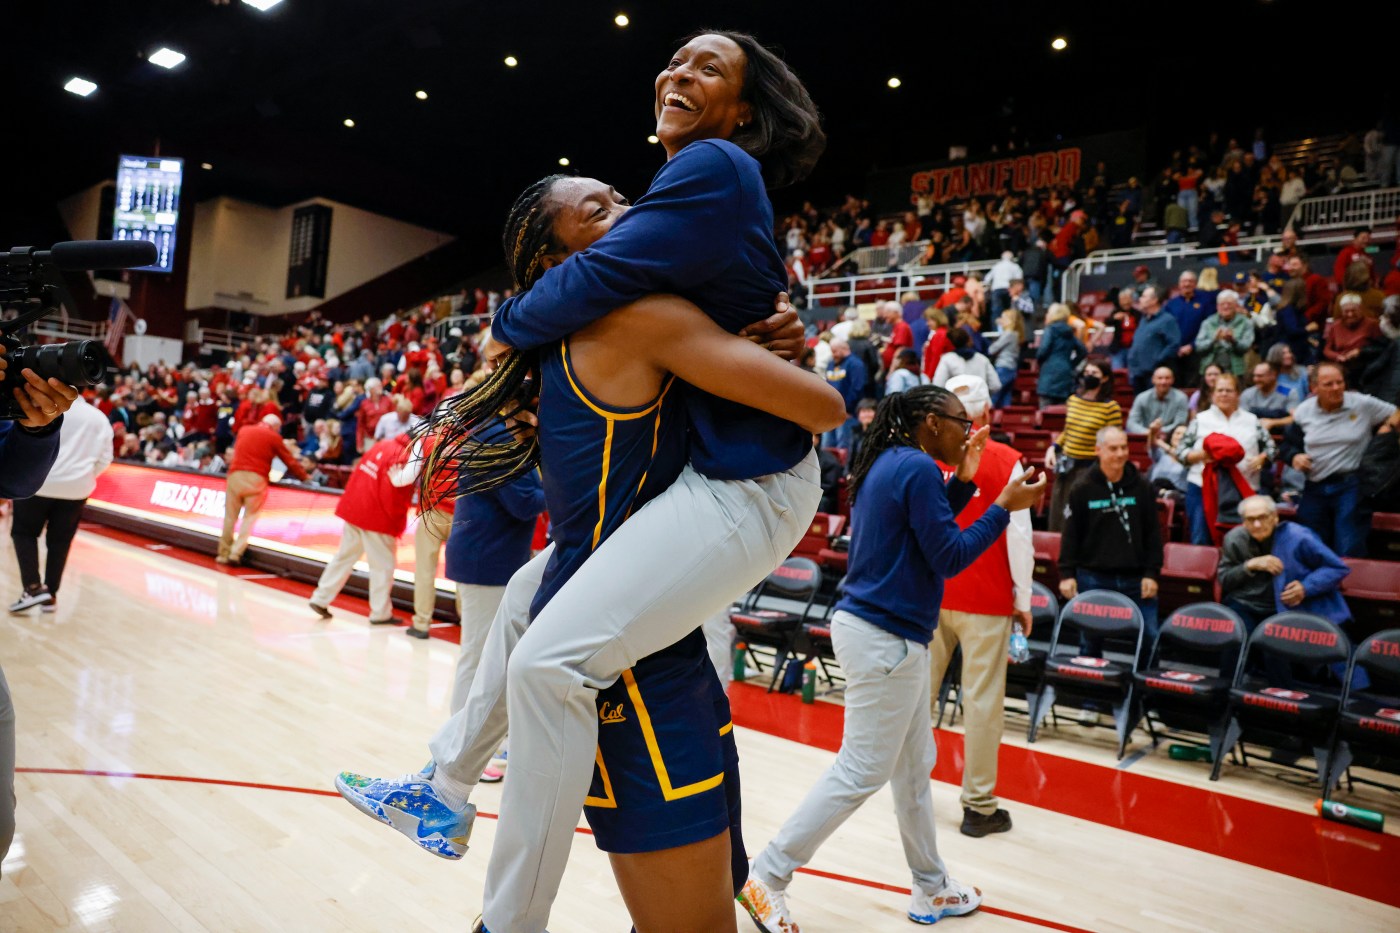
{"x":649,"y":734}
{"x":726,"y":728}
{"x":603,"y":412}
{"x":603,"y":485}
{"x":655,"y":440}
{"x":609,"y":802}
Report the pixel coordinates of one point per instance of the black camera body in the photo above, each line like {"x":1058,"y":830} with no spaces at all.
{"x":29,"y":284}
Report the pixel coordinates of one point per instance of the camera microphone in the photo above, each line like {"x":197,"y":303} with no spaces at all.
{"x":77,"y":255}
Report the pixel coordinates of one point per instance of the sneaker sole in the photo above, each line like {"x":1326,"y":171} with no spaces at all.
{"x":441,"y":846}
{"x":930,"y":919}
{"x":748,"y":909}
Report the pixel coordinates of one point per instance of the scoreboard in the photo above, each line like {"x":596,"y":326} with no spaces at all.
{"x":148,"y":204}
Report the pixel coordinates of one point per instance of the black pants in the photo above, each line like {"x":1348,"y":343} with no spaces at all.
{"x":31,"y":515}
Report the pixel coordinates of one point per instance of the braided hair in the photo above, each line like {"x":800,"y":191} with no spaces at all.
{"x":896,"y":419}
{"x":471,"y":448}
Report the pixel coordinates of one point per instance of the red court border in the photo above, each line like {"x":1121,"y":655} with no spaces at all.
{"x":317,"y":792}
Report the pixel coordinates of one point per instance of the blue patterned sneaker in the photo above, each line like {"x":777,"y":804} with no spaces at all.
{"x":410,"y":805}
{"x":954,"y":900}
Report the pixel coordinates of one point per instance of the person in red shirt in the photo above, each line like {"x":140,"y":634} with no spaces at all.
{"x":892,"y":314}
{"x":881,"y":236}
{"x":1350,"y":335}
{"x":938,"y":342}
{"x":254,"y":448}
{"x":375,"y":510}
{"x":979,"y":607}
{"x":1355,"y":251}
{"x":376,"y":405}
{"x":199,"y":417}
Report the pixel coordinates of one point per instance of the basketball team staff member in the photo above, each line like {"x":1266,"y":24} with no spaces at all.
{"x":255,"y":446}
{"x":905,"y":543}
{"x":28,"y":447}
{"x":733,"y":119}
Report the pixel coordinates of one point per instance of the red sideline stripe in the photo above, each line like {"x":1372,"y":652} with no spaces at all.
{"x":830,"y":876}
{"x":1296,"y":844}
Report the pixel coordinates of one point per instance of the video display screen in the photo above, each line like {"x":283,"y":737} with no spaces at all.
{"x":148,"y":204}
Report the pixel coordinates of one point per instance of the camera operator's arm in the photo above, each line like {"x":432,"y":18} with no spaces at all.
{"x":29,"y":446}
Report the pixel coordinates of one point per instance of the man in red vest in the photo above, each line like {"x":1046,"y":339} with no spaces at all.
{"x":375,"y":509}
{"x":979,"y":606}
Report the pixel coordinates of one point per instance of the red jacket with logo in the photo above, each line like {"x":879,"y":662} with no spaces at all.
{"x":985,"y":587}
{"x":371,"y":501}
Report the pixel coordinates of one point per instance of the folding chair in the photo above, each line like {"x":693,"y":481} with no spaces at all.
{"x":1186,"y":684}
{"x":767,"y":618}
{"x":1023,"y":677}
{"x":817,"y":635}
{"x":1368,"y":732}
{"x":1091,"y":683}
{"x":1288,"y":716}
{"x":1189,"y":575}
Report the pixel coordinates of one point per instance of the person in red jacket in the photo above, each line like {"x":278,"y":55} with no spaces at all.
{"x":375,"y":510}
{"x":938,"y":342}
{"x":254,"y":448}
{"x":376,"y":405}
{"x":1355,"y":251}
{"x":979,"y":607}
{"x":892,"y":314}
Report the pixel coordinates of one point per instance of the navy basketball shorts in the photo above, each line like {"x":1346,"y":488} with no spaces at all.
{"x":667,"y":769}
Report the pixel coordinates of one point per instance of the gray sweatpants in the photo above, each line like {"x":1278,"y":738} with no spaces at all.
{"x":887,"y":739}
{"x":679,"y":560}
{"x":7,"y":768}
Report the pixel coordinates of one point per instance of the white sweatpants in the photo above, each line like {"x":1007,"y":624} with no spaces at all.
{"x":679,"y":560}
{"x":379,"y":549}
{"x":887,"y":739}
{"x":719,"y":641}
{"x":476,"y":608}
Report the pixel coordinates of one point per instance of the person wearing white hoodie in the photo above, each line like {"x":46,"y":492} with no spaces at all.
{"x":84,"y":451}
{"x":965,"y":361}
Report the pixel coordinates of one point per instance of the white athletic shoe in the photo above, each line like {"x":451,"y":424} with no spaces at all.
{"x":29,"y":599}
{"x":767,"y":907}
{"x":954,"y":900}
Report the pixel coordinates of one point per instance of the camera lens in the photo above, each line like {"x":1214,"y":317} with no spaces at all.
{"x":79,"y":363}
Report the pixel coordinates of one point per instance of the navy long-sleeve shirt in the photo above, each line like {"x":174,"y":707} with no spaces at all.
{"x":852,"y":384}
{"x":26,"y":458}
{"x":1155,"y":343}
{"x":492,"y":531}
{"x":905,"y":541}
{"x":704,"y":231}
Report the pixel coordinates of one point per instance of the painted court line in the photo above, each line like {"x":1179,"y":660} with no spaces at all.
{"x":318,"y":792}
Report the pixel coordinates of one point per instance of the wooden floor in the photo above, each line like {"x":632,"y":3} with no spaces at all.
{"x":157,"y":665}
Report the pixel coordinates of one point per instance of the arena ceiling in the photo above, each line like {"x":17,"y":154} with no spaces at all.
{"x":262,"y":96}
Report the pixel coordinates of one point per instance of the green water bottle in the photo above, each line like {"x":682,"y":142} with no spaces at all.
{"x":741,"y":667}
{"x":1181,"y":752}
{"x":1351,"y":816}
{"x":809,"y":682}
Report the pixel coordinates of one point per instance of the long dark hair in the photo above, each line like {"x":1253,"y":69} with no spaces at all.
{"x":1105,"y":366}
{"x":470,"y":451}
{"x":785,"y":134}
{"x":896,"y":419}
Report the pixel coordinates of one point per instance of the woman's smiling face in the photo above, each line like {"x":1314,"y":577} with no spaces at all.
{"x":584,"y":209}
{"x":698,"y":93}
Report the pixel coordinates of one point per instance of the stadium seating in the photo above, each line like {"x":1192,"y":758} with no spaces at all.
{"x":1292,"y":707}
{"x":1372,"y":591}
{"x":1368,"y":732}
{"x":1092,"y":683}
{"x":767,"y":619}
{"x":1385,"y":535}
{"x":1047,"y":559}
{"x":1187,"y":680}
{"x":1189,"y":573}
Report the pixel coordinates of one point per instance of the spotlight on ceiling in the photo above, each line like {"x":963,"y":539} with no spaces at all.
{"x":564,"y":162}
{"x":166,"y":58}
{"x":894,"y":82}
{"x":1059,"y":44}
{"x":652,"y":139}
{"x":349,"y":122}
{"x":621,"y":19}
{"x":421,"y":95}
{"x":80,"y":86}
{"x":207,"y":166}
{"x":512,"y":61}
{"x":262,"y":6}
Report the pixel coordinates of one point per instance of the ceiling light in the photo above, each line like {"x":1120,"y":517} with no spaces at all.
{"x":349,"y":122}
{"x":564,"y":162}
{"x":652,"y":139}
{"x":1059,"y":44}
{"x":421,"y":95}
{"x":80,"y":86}
{"x":207,"y":166}
{"x":621,"y":19}
{"x":894,"y":82}
{"x":262,"y":6}
{"x":511,"y":61}
{"x":166,"y":58}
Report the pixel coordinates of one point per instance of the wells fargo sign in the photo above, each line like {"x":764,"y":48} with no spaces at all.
{"x":1070,"y":163}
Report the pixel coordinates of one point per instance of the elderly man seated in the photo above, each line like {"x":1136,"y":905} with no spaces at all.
{"x":1268,"y":566}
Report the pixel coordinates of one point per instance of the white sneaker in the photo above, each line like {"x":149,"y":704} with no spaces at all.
{"x":954,"y":900}
{"x":767,"y":907}
{"x":28,"y":600}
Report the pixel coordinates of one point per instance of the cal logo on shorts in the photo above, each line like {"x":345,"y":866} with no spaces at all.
{"x":611,"y":712}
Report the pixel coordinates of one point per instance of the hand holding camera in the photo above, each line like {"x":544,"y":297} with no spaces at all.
{"x":41,"y":401}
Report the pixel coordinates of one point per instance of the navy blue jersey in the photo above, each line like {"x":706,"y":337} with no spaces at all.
{"x":704,"y":231}
{"x":600,"y":462}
